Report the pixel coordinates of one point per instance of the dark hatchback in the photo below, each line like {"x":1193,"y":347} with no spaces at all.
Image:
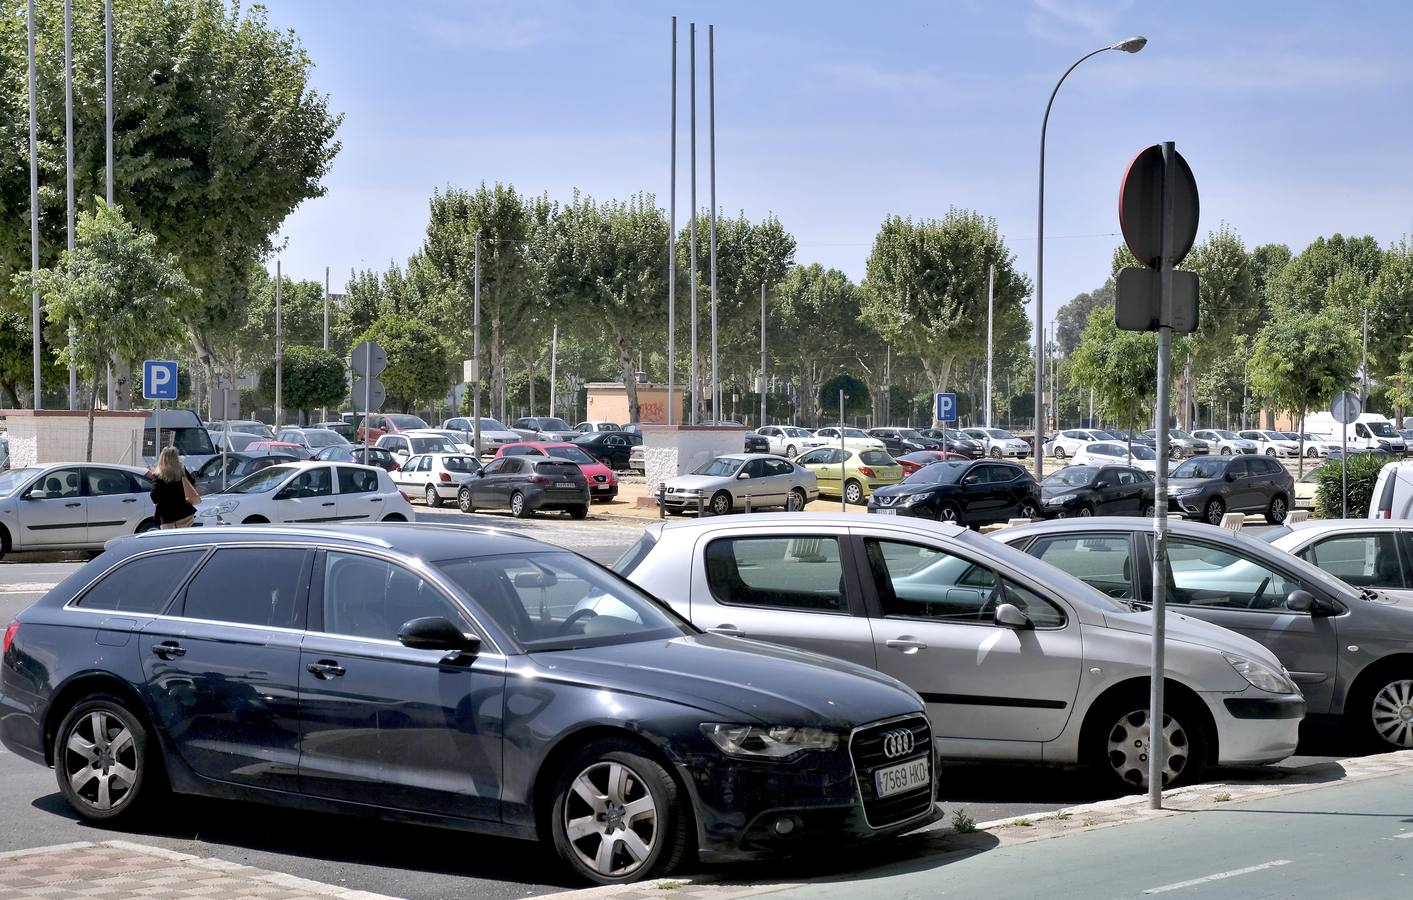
{"x":971,"y":493}
{"x":1206,"y":488}
{"x":953,"y":441}
{"x":351,"y":670}
{"x":1081,"y":491}
{"x":905,"y":440}
{"x":612,"y":448}
{"x":525,"y":485}
{"x":373,"y":456}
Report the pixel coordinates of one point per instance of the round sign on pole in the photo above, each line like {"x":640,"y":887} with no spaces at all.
{"x":1345,"y":407}
{"x":368,"y":359}
{"x":1141,"y":208}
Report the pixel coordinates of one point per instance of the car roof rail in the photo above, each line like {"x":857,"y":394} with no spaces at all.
{"x":339,"y":533}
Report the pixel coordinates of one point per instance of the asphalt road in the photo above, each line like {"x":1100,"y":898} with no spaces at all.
{"x":417,"y":862}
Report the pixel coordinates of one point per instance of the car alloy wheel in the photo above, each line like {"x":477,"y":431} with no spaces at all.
{"x":796,"y":501}
{"x":853,"y":493}
{"x":791,"y":452}
{"x":720,"y":503}
{"x":995,"y":452}
{"x":1149,"y":509}
{"x":1085,"y":512}
{"x":1059,"y":452}
{"x":463,"y":500}
{"x":1226,"y":451}
{"x":1212,"y":512}
{"x":1392,"y":712}
{"x":1276,"y":512}
{"x":433,"y":498}
{"x":610,"y":819}
{"x":518,"y":509}
{"x":1270,"y":451}
{"x":1028,"y":510}
{"x":948,"y":512}
{"x":1127,"y":749}
{"x":100,"y":758}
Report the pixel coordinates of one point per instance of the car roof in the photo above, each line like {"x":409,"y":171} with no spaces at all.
{"x":45,"y":467}
{"x":423,"y":539}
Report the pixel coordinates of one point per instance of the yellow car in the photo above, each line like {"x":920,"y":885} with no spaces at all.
{"x":864,"y":471}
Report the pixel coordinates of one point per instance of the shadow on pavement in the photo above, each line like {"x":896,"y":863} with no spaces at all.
{"x":917,"y":852}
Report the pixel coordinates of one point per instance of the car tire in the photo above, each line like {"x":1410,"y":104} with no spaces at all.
{"x":949,"y":512}
{"x":394,"y":517}
{"x":1226,"y":451}
{"x":995,"y":452}
{"x":720,"y":503}
{"x":1277,"y":510}
{"x":143,"y":527}
{"x":4,"y":541}
{"x":853,"y":492}
{"x":1116,"y":741}
{"x":1149,"y":509}
{"x":463,"y":501}
{"x":1175,"y":452}
{"x":103,"y":736}
{"x":1085,"y":511}
{"x":1270,"y":451}
{"x":1374,"y":711}
{"x":1312,"y":453}
{"x":1059,"y":452}
{"x":592,"y":798}
{"x":434,"y":499}
{"x":1028,"y":509}
{"x":797,"y":500}
{"x":255,"y":520}
{"x":579,"y":512}
{"x":791,"y":452}
{"x":1213,"y":510}
{"x":518,"y":507}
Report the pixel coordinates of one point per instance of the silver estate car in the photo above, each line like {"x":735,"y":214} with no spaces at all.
{"x":727,"y":481}
{"x":1015,"y":659}
{"x":1348,"y":647}
{"x":72,"y":506}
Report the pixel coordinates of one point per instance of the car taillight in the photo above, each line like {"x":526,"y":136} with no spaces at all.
{"x":405,"y":496}
{"x":540,"y":479}
{"x":865,"y":471}
{"x":395,"y":467}
{"x":443,"y":476}
{"x":10,"y":631}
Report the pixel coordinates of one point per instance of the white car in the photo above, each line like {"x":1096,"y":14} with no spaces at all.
{"x":1108,"y":453}
{"x":1315,"y":446}
{"x":997,"y":442}
{"x":854,"y":438}
{"x":1271,"y":443}
{"x":1225,"y":443}
{"x":1364,"y":553}
{"x":1072,"y":440}
{"x":597,"y":425}
{"x":308,"y":492}
{"x":436,"y":477}
{"x":72,"y":506}
{"x":462,"y":444}
{"x":790,"y":441}
{"x":493,"y":434}
{"x":406,"y":444}
{"x":637,"y":458}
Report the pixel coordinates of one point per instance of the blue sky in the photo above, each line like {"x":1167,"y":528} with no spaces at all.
{"x":1293,"y":115}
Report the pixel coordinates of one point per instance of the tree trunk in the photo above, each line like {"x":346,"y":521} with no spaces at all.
{"x":497,"y":376}
{"x":93,"y":402}
{"x":630,"y":374}
{"x":1301,"y":465}
{"x":530,"y":385}
{"x":937,"y":376}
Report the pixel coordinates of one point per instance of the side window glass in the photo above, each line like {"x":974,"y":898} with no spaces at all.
{"x":357,"y":481}
{"x":370,"y":598}
{"x":103,"y":482}
{"x":1204,"y":575}
{"x":495,"y":466}
{"x":1363,"y":560}
{"x":312,"y":483}
{"x":924,"y":583}
{"x":59,"y":484}
{"x":247,"y":586}
{"x":141,"y":484}
{"x":799,"y":573}
{"x":1100,"y":561}
{"x":1042,"y":613}
{"x":142,"y":585}
{"x":778,"y":467}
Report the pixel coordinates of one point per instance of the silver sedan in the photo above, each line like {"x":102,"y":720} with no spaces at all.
{"x":738,"y":480}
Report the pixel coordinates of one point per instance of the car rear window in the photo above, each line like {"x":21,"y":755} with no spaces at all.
{"x":634,"y":555}
{"x":559,"y":469}
{"x":141,"y":585}
{"x":875,"y":458}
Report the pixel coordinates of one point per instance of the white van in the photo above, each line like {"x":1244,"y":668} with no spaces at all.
{"x":1370,"y":431}
{"x":1393,"y":492}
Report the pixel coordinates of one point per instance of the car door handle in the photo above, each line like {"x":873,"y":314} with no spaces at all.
{"x":325,"y":669}
{"x":73,"y":505}
{"x":168,"y":649}
{"x":905,"y":644}
{"x":130,"y":500}
{"x":375,"y":499}
{"x":729,"y":630}
{"x":330,"y":503}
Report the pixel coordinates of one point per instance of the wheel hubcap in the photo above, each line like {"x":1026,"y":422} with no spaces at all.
{"x":100,"y":760}
{"x":719,"y":506}
{"x":431,"y":494}
{"x":610,"y":819}
{"x":853,"y":493}
{"x":1128,"y":748}
{"x":517,"y":503}
{"x":1085,"y":513}
{"x":949,"y":514}
{"x":1393,"y":713}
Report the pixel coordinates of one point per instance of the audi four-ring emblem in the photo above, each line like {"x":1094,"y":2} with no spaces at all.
{"x":897,"y":743}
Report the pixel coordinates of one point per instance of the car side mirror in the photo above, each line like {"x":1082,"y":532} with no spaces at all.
{"x":480,"y":473}
{"x":1301,"y":601}
{"x":37,"y":495}
{"x":1011,"y":617}
{"x":1100,"y":484}
{"x":1229,"y":477}
{"x":743,"y":476}
{"x":436,"y":633}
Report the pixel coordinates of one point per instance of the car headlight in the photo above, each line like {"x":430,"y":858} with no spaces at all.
{"x":1187,"y":492}
{"x":218,"y":509}
{"x":910,"y":499}
{"x":768,"y":741}
{"x":1261,"y":676}
{"x":1055,"y":501}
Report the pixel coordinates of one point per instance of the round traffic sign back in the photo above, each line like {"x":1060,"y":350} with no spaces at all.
{"x":1346,"y":407}
{"x":1141,"y":207}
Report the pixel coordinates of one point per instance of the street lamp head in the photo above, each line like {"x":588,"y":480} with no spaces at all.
{"x":1130,"y":45}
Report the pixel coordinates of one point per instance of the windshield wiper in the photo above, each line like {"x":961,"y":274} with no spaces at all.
{"x":1370,"y":594}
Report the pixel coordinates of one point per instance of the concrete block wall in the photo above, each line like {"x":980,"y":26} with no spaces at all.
{"x":672,"y":450}
{"x":53,"y":435}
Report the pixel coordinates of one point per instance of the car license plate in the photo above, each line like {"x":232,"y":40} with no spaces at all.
{"x":886,"y":512}
{"x":901,"y":778}
{"x":564,"y":484}
{"x":602,"y":487}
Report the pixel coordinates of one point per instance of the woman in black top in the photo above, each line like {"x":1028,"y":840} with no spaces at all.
{"x":172,"y":492}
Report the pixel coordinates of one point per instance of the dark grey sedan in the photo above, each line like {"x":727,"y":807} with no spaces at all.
{"x":454,"y":677}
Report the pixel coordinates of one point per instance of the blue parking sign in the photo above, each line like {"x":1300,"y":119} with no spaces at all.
{"x":946,"y":407}
{"x":159,"y":379}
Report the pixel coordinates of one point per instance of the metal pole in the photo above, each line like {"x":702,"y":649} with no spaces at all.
{"x":69,"y":171}
{"x":843,"y":455}
{"x":1157,"y":749}
{"x":34,"y":213}
{"x":990,"y":311}
{"x":279,"y":353}
{"x":367,"y":396}
{"x":554,"y":354}
{"x":711,"y":169}
{"x":476,"y":353}
{"x":225,"y":434}
{"x":1364,"y":362}
{"x":324,"y":412}
{"x":108,"y":144}
{"x":1343,"y":475}
{"x":672,"y":411}
{"x":764,"y":386}
{"x":888,"y":385}
{"x":156,"y":430}
{"x":692,"y":264}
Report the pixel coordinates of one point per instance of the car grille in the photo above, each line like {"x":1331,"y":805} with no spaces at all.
{"x":886,"y":500}
{"x":601,"y":478}
{"x":867,"y":749}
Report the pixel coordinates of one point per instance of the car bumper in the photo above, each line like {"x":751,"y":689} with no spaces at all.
{"x":603,"y":491}
{"x":913,"y":511}
{"x":555,"y":499}
{"x":1255,"y":727}
{"x":1187,"y":506}
{"x":681,"y":501}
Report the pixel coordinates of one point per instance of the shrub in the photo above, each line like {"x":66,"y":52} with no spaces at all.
{"x":1363,"y":471}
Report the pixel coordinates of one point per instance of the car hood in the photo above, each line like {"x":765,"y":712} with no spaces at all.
{"x":596,"y":468}
{"x":565,"y":436}
{"x":1068,"y":493}
{"x":500,"y":435}
{"x":1179,"y":627}
{"x":698,"y":482}
{"x":1182,"y":484}
{"x":726,"y":676}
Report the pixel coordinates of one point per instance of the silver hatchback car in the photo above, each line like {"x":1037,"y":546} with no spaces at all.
{"x":1015,"y":659}
{"x":72,"y":506}
{"x":740,"y":480}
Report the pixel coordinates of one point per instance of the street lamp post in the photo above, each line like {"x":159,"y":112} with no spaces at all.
{"x":1131,"y":45}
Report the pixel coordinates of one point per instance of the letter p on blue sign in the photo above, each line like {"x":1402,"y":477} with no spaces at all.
{"x":946,"y":407}
{"x":159,"y":379}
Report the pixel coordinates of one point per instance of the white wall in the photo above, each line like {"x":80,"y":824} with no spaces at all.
{"x":672,"y":450}
{"x":62,"y":436}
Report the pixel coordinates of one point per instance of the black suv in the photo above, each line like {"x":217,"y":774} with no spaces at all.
{"x":905,"y":440}
{"x":1206,"y":488}
{"x":969,"y":493}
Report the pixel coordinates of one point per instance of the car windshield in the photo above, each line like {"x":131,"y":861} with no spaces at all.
{"x":431,"y":445}
{"x":492,"y":425}
{"x":319,"y":437}
{"x":560,"y":601}
{"x":1311,"y":476}
{"x":1201,"y":468}
{"x":721,"y":466}
{"x":938,"y":473}
{"x":460,"y":464}
{"x":341,"y":453}
{"x":1309,"y":438}
{"x":261,"y":482}
{"x":909,"y":433}
{"x":452,"y":436}
{"x":573,"y":454}
{"x":855,"y":433}
{"x":12,"y":479}
{"x":1382,"y":429}
{"x":1070,"y":476}
{"x":405,"y":422}
{"x":1104,"y":435}
{"x":1225,"y":435}
{"x":554,"y":425}
{"x":1290,"y":435}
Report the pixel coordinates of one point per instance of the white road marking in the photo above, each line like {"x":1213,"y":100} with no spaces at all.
{"x":1404,"y":836}
{"x":27,"y":587}
{"x":1217,"y":877}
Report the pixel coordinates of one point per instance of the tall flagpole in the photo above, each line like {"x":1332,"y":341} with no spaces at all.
{"x":34,"y":214}
{"x":672,"y":249}
{"x":711,"y":168}
{"x":692,"y":219}
{"x":69,"y":170}
{"x":990,"y":295}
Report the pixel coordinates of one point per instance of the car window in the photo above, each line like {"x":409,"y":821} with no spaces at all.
{"x":778,"y":467}
{"x":518,"y":451}
{"x":512,"y":466}
{"x":1206,"y":575}
{"x":314,"y":482}
{"x":460,"y":464}
{"x":814,"y":457}
{"x":495,"y":466}
{"x":372,"y":598}
{"x":1127,"y":477}
{"x":247,"y":586}
{"x":59,"y":484}
{"x":1100,"y":560}
{"x":1363,"y":560}
{"x":875,"y":458}
{"x":801,"y":573}
{"x":917,"y":582}
{"x":141,"y":585}
{"x":104,"y":482}
{"x":357,"y":481}
{"x":755,"y":468}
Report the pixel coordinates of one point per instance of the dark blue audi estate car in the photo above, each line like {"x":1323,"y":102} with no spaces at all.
{"x":450,"y":676}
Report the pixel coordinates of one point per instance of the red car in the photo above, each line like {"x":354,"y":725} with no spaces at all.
{"x":603,"y":484}
{"x":911,"y":462}
{"x":379,"y":424}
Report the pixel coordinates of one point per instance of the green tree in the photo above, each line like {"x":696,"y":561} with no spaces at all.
{"x":115,"y":292}
{"x":1299,"y":361}
{"x":17,"y":357}
{"x":1391,"y":313}
{"x":925,"y":290}
{"x":419,"y":368}
{"x":857,"y":400}
{"x":312,"y":377}
{"x":815,"y":311}
{"x":1072,"y":318}
{"x":301,"y":317}
{"x":1121,"y":367}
